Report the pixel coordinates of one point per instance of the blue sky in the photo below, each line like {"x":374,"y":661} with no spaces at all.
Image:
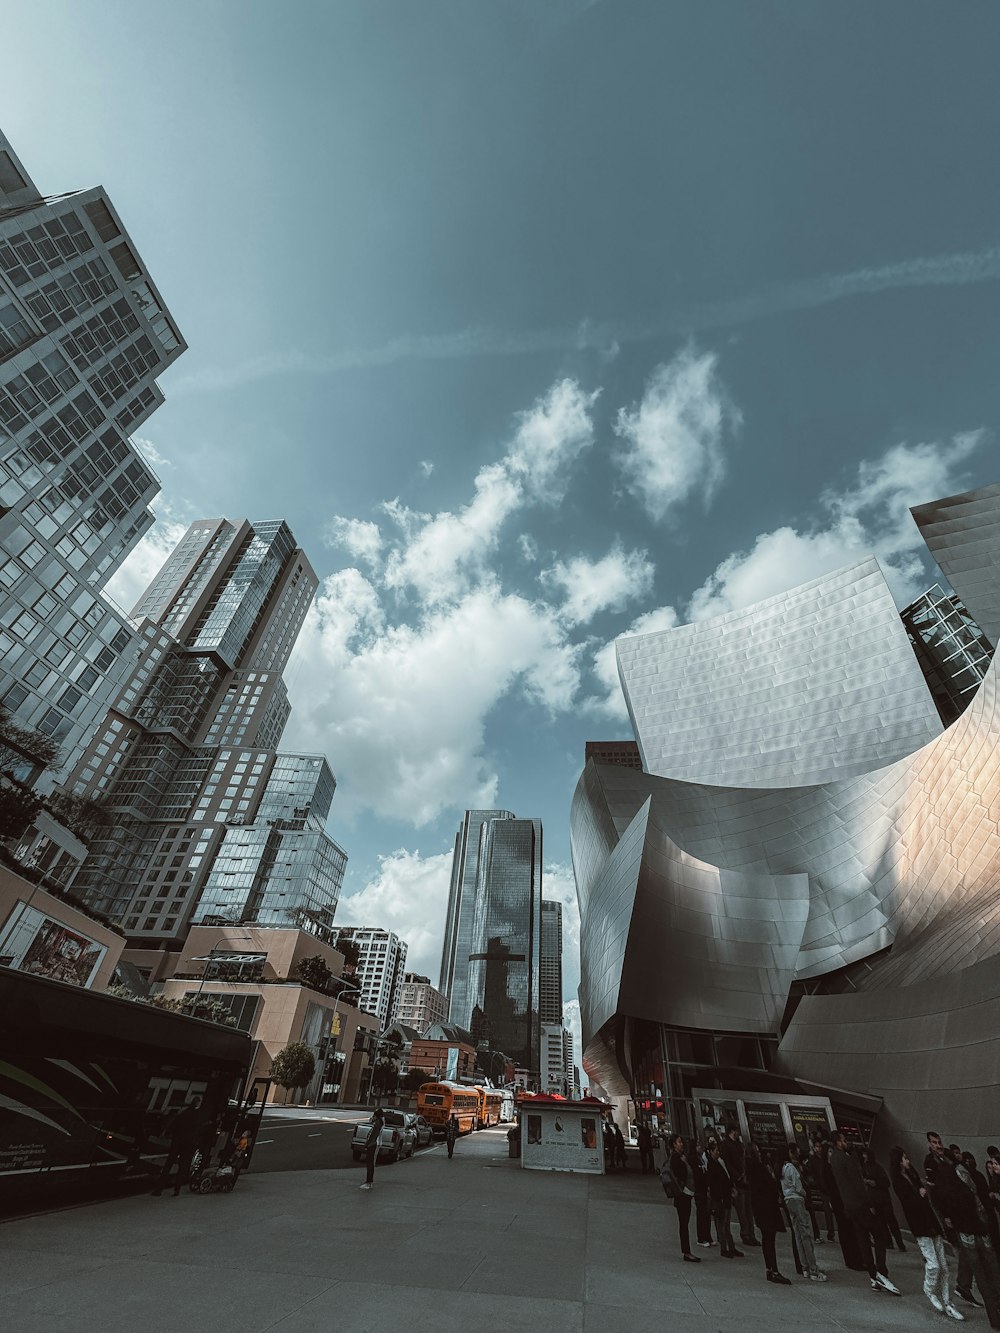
{"x":539,"y":323}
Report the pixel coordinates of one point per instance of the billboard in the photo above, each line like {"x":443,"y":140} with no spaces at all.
{"x":35,"y":943}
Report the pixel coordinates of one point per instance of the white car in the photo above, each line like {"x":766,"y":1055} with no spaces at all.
{"x":398,"y":1138}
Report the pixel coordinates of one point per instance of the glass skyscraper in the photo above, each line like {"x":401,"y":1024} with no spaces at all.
{"x":211,"y":824}
{"x":503,"y":974}
{"x":84,"y":334}
{"x":458,"y":927}
{"x":550,"y":964}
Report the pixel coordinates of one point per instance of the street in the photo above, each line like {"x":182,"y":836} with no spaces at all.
{"x":313,"y":1140}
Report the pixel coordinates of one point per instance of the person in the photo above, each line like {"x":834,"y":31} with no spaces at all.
{"x":721,"y":1195}
{"x":793,"y":1192}
{"x":766,"y":1206}
{"x":957,"y":1193}
{"x":450,"y":1135}
{"x":993,"y":1181}
{"x":680,"y":1173}
{"x":183,"y":1135}
{"x":644,"y":1136}
{"x":813,"y":1175}
{"x":734,"y":1156}
{"x":938,"y":1167}
{"x":620,"y":1159}
{"x":609,"y":1148}
{"x":867,"y":1226}
{"x":702,"y":1207}
{"x":372,"y":1144}
{"x":877,"y":1184}
{"x":914,"y":1199}
{"x":983,"y":1190}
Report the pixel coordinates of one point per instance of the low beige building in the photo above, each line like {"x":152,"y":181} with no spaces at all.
{"x":254,"y":971}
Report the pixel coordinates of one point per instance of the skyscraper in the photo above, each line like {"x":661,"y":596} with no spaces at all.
{"x":503,"y":975}
{"x":83,"y":335}
{"x":210,"y":823}
{"x":461,"y":913}
{"x":550,"y":1002}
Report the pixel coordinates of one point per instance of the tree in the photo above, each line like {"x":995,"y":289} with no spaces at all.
{"x":293,"y":1066}
{"x":385,"y":1078}
{"x":351,"y":951}
{"x":414,"y":1079}
{"x":81,"y":816}
{"x":18,"y":807}
{"x":314,"y":972}
{"x":23,"y":750}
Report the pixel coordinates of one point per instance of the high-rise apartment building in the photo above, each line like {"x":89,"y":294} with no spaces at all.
{"x":550,"y":1001}
{"x":624,"y":753}
{"x":503,"y":972}
{"x":459,"y":922}
{"x":420,"y":1003}
{"x":552,"y":1069}
{"x":211,"y":825}
{"x":84,"y":334}
{"x":381,"y":965}
{"x":953,"y":652}
{"x":571,"y":1071}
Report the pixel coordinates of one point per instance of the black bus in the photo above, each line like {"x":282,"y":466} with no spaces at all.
{"x":89,"y":1083}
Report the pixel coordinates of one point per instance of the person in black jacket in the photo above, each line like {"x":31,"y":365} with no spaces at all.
{"x":721,"y":1195}
{"x":734,"y":1156}
{"x":765,"y":1200}
{"x":914,"y":1199}
{"x":938,"y":1167}
{"x":861,"y":1215}
{"x":680,"y":1173}
{"x":878,"y":1191}
{"x":183,"y":1133}
{"x":702,"y":1208}
{"x":813,"y":1171}
{"x":956,"y":1192}
{"x":983,"y":1190}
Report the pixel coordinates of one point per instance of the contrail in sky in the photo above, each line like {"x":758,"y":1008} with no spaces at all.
{"x":954,"y":270}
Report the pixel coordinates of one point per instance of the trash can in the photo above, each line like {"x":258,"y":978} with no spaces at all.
{"x":514,"y":1142}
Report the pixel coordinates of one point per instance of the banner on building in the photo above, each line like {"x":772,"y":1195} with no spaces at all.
{"x":32,"y":942}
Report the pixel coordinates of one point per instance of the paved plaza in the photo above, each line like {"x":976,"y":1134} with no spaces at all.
{"x":435,"y":1245}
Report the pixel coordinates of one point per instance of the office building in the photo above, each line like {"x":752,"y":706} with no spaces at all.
{"x":552,"y":1068}
{"x":211,"y":824}
{"x":951,"y":650}
{"x":380,"y":969}
{"x":625,"y":753}
{"x":550,"y":1001}
{"x":503,"y":976}
{"x":420,"y":1003}
{"x":790,"y":918}
{"x":84,"y":335}
{"x":460,"y":919}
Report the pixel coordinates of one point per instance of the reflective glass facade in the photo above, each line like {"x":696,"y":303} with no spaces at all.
{"x":506,"y":940}
{"x":83,"y":337}
{"x":459,"y":923}
{"x":951,"y":650}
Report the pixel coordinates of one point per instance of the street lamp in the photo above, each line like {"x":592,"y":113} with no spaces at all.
{"x":344,"y":990}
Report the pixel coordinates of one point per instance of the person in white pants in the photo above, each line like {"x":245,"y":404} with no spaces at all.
{"x":927,"y":1231}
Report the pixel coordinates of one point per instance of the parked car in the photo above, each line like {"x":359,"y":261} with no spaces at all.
{"x":398,"y":1139}
{"x":422,"y":1129}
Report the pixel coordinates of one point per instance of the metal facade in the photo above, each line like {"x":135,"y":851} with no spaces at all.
{"x":704,"y":901}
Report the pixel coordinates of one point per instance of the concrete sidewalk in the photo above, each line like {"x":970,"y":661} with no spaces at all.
{"x":436,"y":1244}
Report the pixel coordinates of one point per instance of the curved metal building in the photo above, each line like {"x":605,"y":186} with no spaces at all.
{"x":803,"y":829}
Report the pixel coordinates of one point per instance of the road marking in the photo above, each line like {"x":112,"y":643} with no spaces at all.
{"x":260,"y":1141}
{"x":314,"y":1136}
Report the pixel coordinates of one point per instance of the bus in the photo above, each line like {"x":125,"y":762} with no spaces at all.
{"x":438,"y":1102}
{"x":490,"y":1107}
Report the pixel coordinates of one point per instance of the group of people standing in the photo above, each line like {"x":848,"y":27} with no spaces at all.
{"x":793,"y":1190}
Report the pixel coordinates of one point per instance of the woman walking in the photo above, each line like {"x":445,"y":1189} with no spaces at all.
{"x":923,"y":1222}
{"x":765,"y":1203}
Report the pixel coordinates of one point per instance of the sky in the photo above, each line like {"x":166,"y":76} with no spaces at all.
{"x":540,"y":324}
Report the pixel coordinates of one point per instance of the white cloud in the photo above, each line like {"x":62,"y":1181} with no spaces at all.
{"x":528,"y":548}
{"x":150,"y":452}
{"x":134,"y":576}
{"x":611,"y":703}
{"x":361,"y":538}
{"x":443,"y":555}
{"x":869,"y":516}
{"x":426,"y":467}
{"x":410,"y":896}
{"x":401,"y":710}
{"x":608,"y":584}
{"x":674,"y":439}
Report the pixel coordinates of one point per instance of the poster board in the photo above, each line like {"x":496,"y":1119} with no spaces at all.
{"x":37,"y":944}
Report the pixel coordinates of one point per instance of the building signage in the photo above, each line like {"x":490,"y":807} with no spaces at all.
{"x":806,"y":1120}
{"x":32,"y":942}
{"x":765,"y":1125}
